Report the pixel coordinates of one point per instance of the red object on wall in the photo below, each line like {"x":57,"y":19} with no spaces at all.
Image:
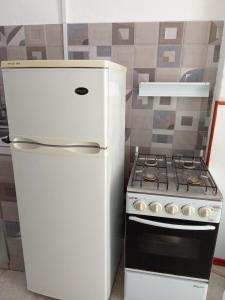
{"x":219,"y":262}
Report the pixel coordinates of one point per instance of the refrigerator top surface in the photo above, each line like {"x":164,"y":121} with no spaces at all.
{"x":101,"y":64}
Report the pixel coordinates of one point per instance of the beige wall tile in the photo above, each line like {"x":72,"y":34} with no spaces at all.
{"x":184,"y":140}
{"x":145,"y":56}
{"x":196,"y":32}
{"x":123,"y":55}
{"x":146,"y":33}
{"x":100,"y":34}
{"x":16,"y":52}
{"x":55,"y":52}
{"x":142,"y":118}
{"x":167,"y":74}
{"x":188,"y":104}
{"x":140,"y":137}
{"x":194,"y":56}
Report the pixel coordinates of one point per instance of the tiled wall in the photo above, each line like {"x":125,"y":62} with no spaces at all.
{"x":9,"y":213}
{"x":166,"y":51}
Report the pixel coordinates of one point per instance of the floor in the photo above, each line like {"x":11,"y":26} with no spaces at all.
{"x":12,"y":286}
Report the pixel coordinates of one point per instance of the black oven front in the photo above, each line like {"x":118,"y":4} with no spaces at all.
{"x":170,"y":246}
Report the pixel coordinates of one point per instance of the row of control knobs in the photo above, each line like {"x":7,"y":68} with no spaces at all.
{"x":173,"y":209}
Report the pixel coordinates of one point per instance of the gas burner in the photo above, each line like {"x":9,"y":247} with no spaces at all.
{"x":150,"y":177}
{"x":150,"y":172}
{"x":151,"y":163}
{"x":194,"y":180}
{"x":189,"y":165}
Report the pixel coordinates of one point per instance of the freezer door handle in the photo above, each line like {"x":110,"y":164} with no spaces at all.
{"x":172,"y":226}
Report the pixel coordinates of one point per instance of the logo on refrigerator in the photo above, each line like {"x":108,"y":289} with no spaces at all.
{"x":198,"y":286}
{"x":81,"y":91}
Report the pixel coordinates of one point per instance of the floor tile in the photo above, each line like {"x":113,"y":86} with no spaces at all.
{"x":219,"y":270}
{"x":216,"y":287}
{"x":13,"y":286}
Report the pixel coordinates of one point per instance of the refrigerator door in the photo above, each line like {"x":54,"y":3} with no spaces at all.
{"x":62,"y":105}
{"x":61,"y":196}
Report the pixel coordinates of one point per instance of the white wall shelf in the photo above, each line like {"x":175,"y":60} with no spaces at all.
{"x":174,"y":89}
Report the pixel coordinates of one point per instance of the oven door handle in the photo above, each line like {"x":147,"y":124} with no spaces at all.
{"x":172,"y":226}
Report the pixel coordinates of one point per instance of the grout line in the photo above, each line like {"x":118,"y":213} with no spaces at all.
{"x":64,"y":23}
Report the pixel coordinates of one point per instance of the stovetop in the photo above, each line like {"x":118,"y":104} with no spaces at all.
{"x":177,"y":176}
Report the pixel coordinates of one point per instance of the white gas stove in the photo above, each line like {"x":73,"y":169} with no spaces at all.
{"x":176,"y":187}
{"x":173,"y":211}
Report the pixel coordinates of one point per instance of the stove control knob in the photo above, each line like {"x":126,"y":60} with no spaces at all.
{"x":155,"y":207}
{"x":188,"y":210}
{"x":171,"y":209}
{"x":139,"y":205}
{"x":205,"y":212}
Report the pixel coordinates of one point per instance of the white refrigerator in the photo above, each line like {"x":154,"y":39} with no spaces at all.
{"x":66,"y":124}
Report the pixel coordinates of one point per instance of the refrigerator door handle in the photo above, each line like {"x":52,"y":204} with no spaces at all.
{"x":31,"y":145}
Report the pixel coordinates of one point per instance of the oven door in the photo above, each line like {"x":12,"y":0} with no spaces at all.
{"x":170,"y":246}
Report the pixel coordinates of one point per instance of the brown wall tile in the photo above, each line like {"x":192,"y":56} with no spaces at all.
{"x":16,"y":261}
{"x":10,"y":211}
{"x":54,"y":35}
{"x":35,"y":35}
{"x":171,"y":33}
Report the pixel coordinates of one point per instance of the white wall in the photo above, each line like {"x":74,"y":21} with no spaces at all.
{"x":219,"y":93}
{"x":81,"y":11}
{"x":16,"y":12}
{"x":217,"y":168}
{"x":24,"y":12}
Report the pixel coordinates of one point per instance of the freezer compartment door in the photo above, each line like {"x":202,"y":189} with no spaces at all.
{"x":62,"y":104}
{"x":145,"y":286}
{"x":62,"y":207}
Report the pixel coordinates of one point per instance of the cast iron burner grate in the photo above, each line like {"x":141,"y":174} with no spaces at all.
{"x":192,"y":172}
{"x":151,"y":171}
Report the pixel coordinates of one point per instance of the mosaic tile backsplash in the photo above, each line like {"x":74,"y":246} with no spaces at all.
{"x":165,"y":51}
{"x":151,"y":51}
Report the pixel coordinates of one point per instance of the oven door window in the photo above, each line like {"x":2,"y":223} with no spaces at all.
{"x":173,"y":251}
